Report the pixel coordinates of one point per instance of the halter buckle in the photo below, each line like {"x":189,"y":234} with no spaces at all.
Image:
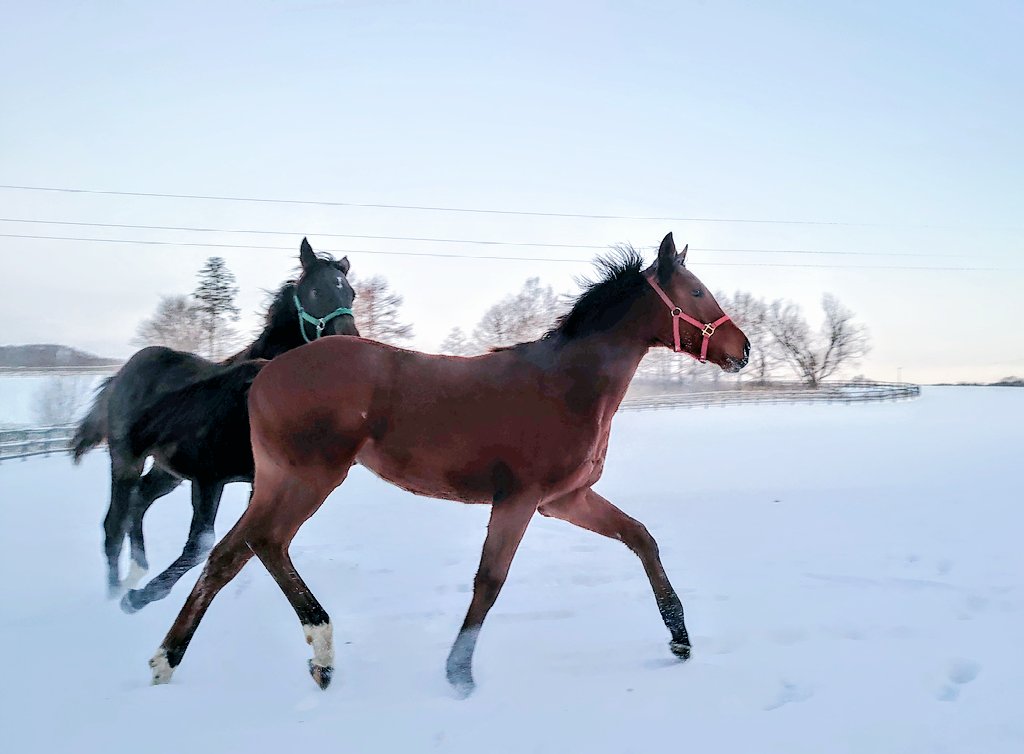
{"x":676,"y":312}
{"x":708,"y":330}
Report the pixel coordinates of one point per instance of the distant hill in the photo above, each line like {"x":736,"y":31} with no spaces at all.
{"x":50,"y":355}
{"x":1005,"y":382}
{"x":1010,"y":382}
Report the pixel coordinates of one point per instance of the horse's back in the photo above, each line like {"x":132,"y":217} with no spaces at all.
{"x":146,"y":377}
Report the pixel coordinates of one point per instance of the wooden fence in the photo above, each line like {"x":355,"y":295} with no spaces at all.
{"x":69,"y":371}
{"x":777,"y":392}
{"x":36,"y":441}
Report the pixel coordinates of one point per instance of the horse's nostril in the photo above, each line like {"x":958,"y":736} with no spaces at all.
{"x":746,"y":350}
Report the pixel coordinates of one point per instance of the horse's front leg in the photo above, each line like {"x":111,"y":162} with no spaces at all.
{"x":508,"y":522}
{"x":205,"y":502}
{"x":588,"y":510}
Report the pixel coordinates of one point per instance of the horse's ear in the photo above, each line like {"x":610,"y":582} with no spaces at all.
{"x":666,"y":258}
{"x":343,"y":265}
{"x":306,"y":256}
{"x":682,"y":254}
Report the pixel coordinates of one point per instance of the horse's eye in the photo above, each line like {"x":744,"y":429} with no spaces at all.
{"x":697,"y":293}
{"x":313,"y":293}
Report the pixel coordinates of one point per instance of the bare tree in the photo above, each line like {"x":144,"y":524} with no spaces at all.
{"x":814,"y":358}
{"x":518,"y":318}
{"x":377,"y":308}
{"x":60,"y":400}
{"x":176,"y":323}
{"x":751,"y":315}
{"x":457,"y":343}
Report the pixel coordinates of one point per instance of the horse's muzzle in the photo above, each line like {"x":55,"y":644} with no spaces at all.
{"x":346,"y":325}
{"x":733,"y":364}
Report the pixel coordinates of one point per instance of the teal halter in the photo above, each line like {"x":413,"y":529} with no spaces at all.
{"x":320,"y":323}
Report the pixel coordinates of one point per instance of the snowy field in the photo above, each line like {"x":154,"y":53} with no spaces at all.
{"x":19,"y":396}
{"x":853,"y":578}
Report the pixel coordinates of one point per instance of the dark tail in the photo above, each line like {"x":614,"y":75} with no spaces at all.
{"x":93,"y":429}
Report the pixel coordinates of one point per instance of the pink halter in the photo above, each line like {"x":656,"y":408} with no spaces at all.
{"x":706,"y":329}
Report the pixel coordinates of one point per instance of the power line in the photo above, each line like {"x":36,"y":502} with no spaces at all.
{"x":146,"y":242}
{"x":482,"y":242}
{"x":470,"y":210}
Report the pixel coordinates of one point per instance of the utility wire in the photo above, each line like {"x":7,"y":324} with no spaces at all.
{"x":471,"y":210}
{"x":470,"y":256}
{"x":194,"y":229}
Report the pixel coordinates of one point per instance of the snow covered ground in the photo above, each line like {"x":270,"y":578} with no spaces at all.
{"x":20,"y":396}
{"x":853,"y":578}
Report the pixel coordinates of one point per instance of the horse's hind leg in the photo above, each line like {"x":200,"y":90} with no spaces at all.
{"x":508,"y":522}
{"x":154,"y":484}
{"x":276,"y":511}
{"x":588,"y":510}
{"x":271,"y":546}
{"x":270,"y":541}
{"x":205,"y":502}
{"x":123,"y":479}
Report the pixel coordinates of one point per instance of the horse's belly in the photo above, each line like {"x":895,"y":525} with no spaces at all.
{"x":452,"y":473}
{"x":423,"y":477}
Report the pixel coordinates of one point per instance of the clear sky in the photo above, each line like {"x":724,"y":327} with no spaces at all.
{"x":902,"y":120}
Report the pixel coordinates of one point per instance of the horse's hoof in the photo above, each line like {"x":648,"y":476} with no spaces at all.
{"x":131,"y":602}
{"x":463,"y":689}
{"x":162,"y":670}
{"x":321,"y":674}
{"x":680,"y":649}
{"x":113,"y":591}
{"x":461,"y":679}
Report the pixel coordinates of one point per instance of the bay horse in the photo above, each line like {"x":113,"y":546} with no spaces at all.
{"x":524,"y":429}
{"x":190,"y":414}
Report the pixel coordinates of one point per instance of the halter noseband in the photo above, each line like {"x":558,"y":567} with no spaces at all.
{"x":707,"y":329}
{"x":320,"y":323}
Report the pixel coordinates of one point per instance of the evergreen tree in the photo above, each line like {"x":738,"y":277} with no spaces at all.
{"x":215,"y":299}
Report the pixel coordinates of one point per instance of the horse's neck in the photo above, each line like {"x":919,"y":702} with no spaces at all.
{"x":599,"y":368}
{"x":280,"y":335}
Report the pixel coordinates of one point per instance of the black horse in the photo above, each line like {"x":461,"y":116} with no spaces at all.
{"x":190,"y":415}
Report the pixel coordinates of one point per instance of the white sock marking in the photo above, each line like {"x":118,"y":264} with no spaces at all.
{"x":321,"y":638}
{"x":162,"y":670}
{"x":135,"y":574}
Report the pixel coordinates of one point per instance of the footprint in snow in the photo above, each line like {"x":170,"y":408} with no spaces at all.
{"x":242,"y":583}
{"x":789,"y":693}
{"x":972,"y":606}
{"x":960,"y":672}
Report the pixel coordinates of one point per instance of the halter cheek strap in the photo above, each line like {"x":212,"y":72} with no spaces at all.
{"x":318,"y":322}
{"x":707,"y":329}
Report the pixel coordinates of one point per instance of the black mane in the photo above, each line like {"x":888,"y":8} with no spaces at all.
{"x":606,"y":300}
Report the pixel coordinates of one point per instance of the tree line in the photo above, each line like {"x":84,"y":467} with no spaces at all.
{"x":201,"y":322}
{"x":783,"y":342}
